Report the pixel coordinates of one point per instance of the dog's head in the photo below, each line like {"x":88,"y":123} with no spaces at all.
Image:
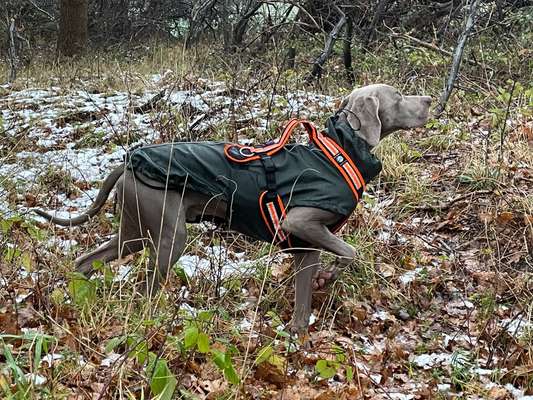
{"x":378,"y":110}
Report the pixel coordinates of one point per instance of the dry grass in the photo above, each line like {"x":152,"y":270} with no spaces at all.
{"x":477,"y":249}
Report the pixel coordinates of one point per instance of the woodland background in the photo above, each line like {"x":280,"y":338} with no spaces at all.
{"x":438,"y":303}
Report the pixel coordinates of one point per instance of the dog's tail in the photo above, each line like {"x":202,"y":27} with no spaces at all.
{"x":103,"y":194}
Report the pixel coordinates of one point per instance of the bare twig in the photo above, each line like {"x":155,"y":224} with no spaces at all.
{"x":457,"y":56}
{"x":43,"y":11}
{"x":376,"y":20}
{"x":429,"y":46}
{"x":504,"y":123}
{"x":448,"y":204}
{"x":300,"y":8}
{"x":328,"y":47}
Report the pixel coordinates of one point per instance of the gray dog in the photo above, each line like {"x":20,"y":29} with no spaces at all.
{"x":200,"y":182}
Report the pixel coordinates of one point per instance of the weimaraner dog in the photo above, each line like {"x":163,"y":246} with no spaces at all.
{"x":157,"y":218}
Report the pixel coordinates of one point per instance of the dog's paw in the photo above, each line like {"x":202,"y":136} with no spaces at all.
{"x":298,"y":329}
{"x":324,"y":277}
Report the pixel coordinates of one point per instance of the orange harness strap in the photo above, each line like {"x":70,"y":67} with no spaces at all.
{"x":333,"y":151}
{"x":272,"y":209}
{"x":242,"y":154}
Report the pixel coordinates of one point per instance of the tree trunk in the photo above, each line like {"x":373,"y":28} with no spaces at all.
{"x":457,"y":56}
{"x":291,"y":57}
{"x":347,"y":52}
{"x":241,"y":26}
{"x":376,"y":20}
{"x":72,"y":38}
{"x":12,"y":56}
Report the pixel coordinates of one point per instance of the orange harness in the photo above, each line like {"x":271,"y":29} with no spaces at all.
{"x":273,"y":211}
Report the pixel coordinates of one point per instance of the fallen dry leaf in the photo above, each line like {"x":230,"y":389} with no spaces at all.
{"x":271,"y":372}
{"x":499,"y":393}
{"x":504,"y":217}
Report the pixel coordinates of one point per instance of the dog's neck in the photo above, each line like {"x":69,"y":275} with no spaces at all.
{"x":343,"y":117}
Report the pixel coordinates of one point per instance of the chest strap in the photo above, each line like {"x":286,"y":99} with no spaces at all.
{"x":340,"y":160}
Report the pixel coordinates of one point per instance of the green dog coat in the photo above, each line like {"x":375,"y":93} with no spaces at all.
{"x":329,"y":173}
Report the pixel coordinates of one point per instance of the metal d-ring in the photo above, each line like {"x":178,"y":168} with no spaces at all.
{"x":242,"y":151}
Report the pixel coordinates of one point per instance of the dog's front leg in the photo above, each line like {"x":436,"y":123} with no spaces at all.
{"x":305,"y":265}
{"x":311,"y":225}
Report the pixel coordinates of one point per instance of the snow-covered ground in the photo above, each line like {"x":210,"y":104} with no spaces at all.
{"x":84,"y":133}
{"x":75,"y":130}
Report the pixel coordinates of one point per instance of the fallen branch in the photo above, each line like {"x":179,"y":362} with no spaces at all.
{"x":150,"y":104}
{"x":448,"y":204}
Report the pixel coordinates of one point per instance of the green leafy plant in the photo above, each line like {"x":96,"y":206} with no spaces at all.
{"x":327,"y":369}
{"x":7,"y":223}
{"x":35,"y":345}
{"x":462,"y":367}
{"x":21,"y":383}
{"x":162,"y":380}
{"x":194,"y":338}
{"x":82,"y":290}
{"x":223,"y":361}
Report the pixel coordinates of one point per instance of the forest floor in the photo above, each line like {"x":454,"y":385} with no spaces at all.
{"x":438,"y":303}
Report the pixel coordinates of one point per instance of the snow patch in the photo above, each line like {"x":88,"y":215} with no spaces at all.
{"x":110,"y":359}
{"x":427,"y":361}
{"x":410,"y":276}
{"x":50,"y":358}
{"x":219,"y":261}
{"x":36,"y":379}
{"x":517,"y":327}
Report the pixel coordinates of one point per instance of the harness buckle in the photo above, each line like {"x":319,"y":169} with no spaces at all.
{"x":269,"y":165}
{"x":270,"y":174}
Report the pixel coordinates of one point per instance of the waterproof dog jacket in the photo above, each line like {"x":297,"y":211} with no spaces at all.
{"x":329,"y":173}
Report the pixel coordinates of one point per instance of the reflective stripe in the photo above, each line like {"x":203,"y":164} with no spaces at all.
{"x":330,"y":146}
{"x":349,"y":182}
{"x":275,"y":220}
{"x":341,"y":161}
{"x":254,"y":152}
{"x":354,"y":167}
{"x":283,"y":215}
{"x":263,"y":213}
{"x":348,"y":168}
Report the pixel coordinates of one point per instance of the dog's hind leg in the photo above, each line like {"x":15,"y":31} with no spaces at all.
{"x":127,"y":241}
{"x":130,"y":237}
{"x":167,"y":237}
{"x":108,"y":251}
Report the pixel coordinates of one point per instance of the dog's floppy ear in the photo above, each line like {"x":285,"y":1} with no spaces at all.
{"x":364,"y":109}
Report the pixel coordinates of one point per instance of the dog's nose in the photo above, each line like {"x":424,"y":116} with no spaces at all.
{"x":427,"y":100}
